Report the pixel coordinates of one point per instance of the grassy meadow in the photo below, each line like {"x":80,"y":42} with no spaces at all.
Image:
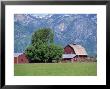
{"x":56,"y":69}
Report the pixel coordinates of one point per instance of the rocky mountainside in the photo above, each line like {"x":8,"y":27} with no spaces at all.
{"x":68,"y":28}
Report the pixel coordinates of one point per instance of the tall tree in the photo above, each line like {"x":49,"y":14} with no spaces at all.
{"x":44,"y":35}
{"x":42,"y":48}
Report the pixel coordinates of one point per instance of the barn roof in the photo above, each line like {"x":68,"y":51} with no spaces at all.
{"x":68,"y":55}
{"x":17,"y":54}
{"x":79,"y":50}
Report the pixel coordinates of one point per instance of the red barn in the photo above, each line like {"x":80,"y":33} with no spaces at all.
{"x":20,"y":58}
{"x":74,"y":52}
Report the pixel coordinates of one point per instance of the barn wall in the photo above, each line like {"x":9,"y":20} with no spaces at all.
{"x":81,"y":57}
{"x":68,"y":50}
{"x":22,"y":59}
{"x":76,"y":59}
{"x":15,"y":60}
{"x":70,"y":59}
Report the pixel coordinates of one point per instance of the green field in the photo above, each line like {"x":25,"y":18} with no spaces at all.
{"x":56,"y":69}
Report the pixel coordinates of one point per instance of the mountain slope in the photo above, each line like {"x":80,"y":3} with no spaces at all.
{"x":68,"y":28}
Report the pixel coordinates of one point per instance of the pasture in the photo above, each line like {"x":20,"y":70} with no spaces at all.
{"x":56,"y":69}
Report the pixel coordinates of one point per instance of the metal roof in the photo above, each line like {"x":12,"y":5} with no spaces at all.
{"x":68,"y":55}
{"x":17,"y":54}
{"x":79,"y":50}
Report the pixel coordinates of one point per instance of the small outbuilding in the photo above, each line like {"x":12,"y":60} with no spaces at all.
{"x":20,"y":58}
{"x":74,"y":52}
